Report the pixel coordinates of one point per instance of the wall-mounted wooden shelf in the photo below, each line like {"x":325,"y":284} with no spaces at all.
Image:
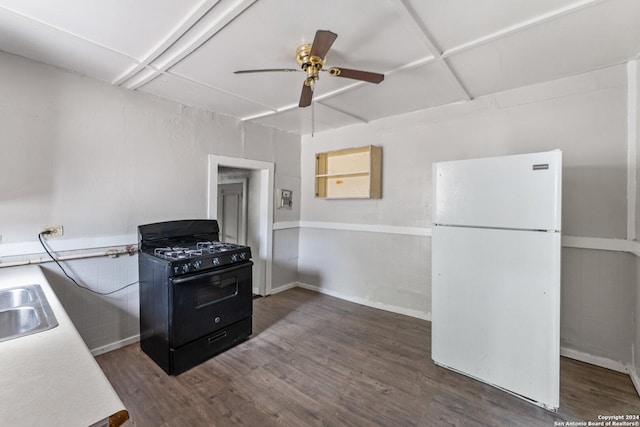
{"x":352,"y":173}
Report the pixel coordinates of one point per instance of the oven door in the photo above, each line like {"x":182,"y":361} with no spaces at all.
{"x":205,"y":302}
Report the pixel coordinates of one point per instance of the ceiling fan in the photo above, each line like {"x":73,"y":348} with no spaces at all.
{"x":311,"y":60}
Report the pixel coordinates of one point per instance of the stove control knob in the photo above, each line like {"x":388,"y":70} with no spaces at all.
{"x":216,"y":261}
{"x":196,"y":265}
{"x":243,"y":255}
{"x":185,"y":268}
{"x":234,"y":257}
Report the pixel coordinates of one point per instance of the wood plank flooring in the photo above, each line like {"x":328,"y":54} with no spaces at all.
{"x":315,"y":360}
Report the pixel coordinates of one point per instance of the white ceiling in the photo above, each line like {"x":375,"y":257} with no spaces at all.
{"x":432,"y":52}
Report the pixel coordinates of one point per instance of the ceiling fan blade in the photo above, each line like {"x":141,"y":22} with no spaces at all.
{"x":366,"y":76}
{"x":306,"y":96}
{"x":322,"y":43}
{"x":267,"y":70}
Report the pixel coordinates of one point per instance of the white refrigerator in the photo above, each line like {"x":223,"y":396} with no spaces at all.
{"x":496,"y":272}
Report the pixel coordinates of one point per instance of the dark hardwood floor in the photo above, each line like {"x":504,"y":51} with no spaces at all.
{"x":315,"y":360}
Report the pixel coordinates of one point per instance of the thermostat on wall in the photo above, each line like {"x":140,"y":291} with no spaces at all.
{"x":284,"y":199}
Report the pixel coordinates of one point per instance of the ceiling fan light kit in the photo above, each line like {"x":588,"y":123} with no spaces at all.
{"x":311,"y":58}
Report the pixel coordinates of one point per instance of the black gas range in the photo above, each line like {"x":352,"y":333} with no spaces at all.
{"x":195,"y":293}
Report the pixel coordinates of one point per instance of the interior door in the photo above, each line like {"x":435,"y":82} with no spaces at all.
{"x":232,"y":215}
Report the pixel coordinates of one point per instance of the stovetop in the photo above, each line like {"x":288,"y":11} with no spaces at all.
{"x":186,"y":257}
{"x":188,"y":246}
{"x":174,"y":253}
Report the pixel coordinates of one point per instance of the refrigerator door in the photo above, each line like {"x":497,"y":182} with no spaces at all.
{"x":521,"y":191}
{"x":496,"y":308}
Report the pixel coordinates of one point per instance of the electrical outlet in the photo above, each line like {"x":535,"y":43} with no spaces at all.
{"x":53,"y":231}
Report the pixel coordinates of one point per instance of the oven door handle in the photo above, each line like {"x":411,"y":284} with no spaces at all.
{"x":211,"y":273}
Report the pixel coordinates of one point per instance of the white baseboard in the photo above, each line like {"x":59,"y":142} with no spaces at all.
{"x":603,"y":362}
{"x":283,"y":288}
{"x":114,"y":346}
{"x":394,"y":309}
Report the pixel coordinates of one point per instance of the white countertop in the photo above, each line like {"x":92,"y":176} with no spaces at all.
{"x":51,"y":378}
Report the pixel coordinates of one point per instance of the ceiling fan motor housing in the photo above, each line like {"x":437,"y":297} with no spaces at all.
{"x":310,"y":63}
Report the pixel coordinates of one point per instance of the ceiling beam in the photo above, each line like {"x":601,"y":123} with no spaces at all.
{"x":570,"y":8}
{"x":411,"y":18}
{"x":180,"y":30}
{"x":215,"y":19}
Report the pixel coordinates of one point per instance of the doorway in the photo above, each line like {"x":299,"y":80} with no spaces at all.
{"x":259,"y":207}
{"x":232,"y":210}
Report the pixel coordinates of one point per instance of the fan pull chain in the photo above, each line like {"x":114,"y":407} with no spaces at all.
{"x":313,"y":117}
{"x":313,"y":111}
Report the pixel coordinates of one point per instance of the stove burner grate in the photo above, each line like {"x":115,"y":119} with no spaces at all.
{"x":177,"y":253}
{"x":215,"y":247}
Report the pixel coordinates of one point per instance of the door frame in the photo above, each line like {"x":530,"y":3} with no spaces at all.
{"x":265,"y":250}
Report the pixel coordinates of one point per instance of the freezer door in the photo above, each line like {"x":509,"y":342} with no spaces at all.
{"x":522,"y":191}
{"x":496,"y":308}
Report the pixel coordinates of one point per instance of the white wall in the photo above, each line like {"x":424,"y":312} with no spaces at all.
{"x":101,"y":160}
{"x":284,"y":150}
{"x":286,"y":234}
{"x":597,"y":304}
{"x":635,"y":138}
{"x":635,"y":369}
{"x":348,"y":247}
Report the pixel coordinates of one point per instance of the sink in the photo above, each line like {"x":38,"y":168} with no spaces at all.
{"x":15,"y":297}
{"x":24,"y":310}
{"x":18,"y":320}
